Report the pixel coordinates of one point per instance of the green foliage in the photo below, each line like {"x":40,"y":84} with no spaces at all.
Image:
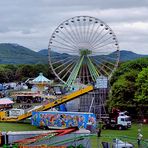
{"x":129,"y":66}
{"x":10,"y":73}
{"x":141,"y":94}
{"x":123,"y":90}
{"x":129,"y":84}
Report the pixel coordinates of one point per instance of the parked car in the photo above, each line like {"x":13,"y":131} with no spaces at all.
{"x":120,"y":144}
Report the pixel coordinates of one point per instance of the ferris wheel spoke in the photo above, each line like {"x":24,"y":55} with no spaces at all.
{"x":95,"y":33}
{"x":97,"y":47}
{"x":69,"y":70}
{"x":84,"y":26}
{"x":75,"y":71}
{"x":92,"y":73}
{"x":103,"y":64}
{"x":99,"y":40}
{"x":88,"y":29}
{"x":67,"y":41}
{"x":108,"y":57}
{"x":66,"y":45}
{"x":91,"y":32}
{"x":63,"y":64}
{"x":85,"y":30}
{"x":99,"y":33}
{"x":66,"y":67}
{"x":74,"y":32}
{"x":106,"y":50}
{"x":70,"y":34}
{"x":77,"y":26}
{"x":65,"y":48}
{"x":92,"y":68}
{"x":105,"y":40}
{"x":80,"y":30}
{"x":107,"y":61}
{"x":67,"y":37}
{"x":101,"y":68}
{"x":59,"y":61}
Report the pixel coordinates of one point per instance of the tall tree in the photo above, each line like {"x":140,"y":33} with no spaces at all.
{"x":141,"y":95}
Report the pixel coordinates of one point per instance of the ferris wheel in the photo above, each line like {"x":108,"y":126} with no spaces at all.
{"x":83,"y":48}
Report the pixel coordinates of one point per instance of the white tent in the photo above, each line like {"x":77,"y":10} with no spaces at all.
{"x":5,"y":101}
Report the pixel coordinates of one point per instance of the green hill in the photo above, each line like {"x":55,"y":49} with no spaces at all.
{"x":125,"y":55}
{"x":16,"y":54}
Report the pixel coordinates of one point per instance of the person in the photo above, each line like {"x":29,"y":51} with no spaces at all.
{"x":99,"y":129}
{"x":139,"y":138}
{"x":99,"y":132}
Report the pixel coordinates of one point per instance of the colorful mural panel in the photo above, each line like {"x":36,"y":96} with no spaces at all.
{"x":63,"y":119}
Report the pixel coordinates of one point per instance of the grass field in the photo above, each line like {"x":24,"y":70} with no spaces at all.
{"x":129,"y":135}
{"x":17,"y":127}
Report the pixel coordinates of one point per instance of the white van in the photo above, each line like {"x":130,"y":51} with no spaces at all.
{"x":120,"y":144}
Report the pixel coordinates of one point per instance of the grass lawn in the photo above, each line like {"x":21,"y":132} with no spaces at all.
{"x":17,"y":127}
{"x":129,"y":135}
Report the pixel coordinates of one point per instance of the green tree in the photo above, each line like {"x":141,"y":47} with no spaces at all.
{"x":6,"y":74}
{"x":137,"y":65}
{"x":141,"y":95}
{"x":123,"y":90}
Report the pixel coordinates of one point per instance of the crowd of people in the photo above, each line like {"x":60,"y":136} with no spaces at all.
{"x":24,"y":106}
{"x":26,"y":102}
{"x":28,"y":99}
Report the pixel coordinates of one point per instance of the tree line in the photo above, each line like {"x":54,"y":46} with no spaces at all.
{"x":129,"y":87}
{"x":12,"y":73}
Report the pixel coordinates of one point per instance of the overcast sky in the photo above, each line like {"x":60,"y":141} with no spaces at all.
{"x":31,"y":22}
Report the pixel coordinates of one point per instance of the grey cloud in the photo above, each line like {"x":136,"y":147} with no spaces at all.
{"x":31,"y":22}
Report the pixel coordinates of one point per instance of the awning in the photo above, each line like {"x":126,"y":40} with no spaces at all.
{"x":26,"y":93}
{"x":5,"y":101}
{"x":41,"y":80}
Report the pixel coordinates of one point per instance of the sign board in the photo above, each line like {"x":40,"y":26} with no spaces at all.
{"x":101,"y":82}
{"x":16,"y":112}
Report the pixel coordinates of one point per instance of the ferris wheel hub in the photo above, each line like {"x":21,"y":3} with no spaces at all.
{"x":85,"y":52}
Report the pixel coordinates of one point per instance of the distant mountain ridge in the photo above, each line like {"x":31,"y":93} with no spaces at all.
{"x":17,"y":54}
{"x":43,"y":52}
{"x":125,"y":55}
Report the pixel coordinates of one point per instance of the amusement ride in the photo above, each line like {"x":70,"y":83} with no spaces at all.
{"x":82,"y":49}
